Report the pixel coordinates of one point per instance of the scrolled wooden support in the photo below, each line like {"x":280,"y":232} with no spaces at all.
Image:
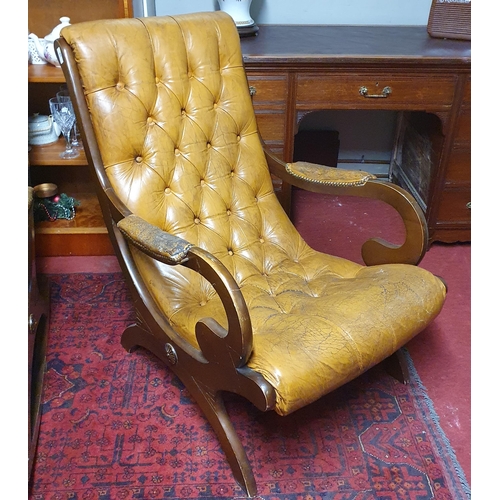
{"x":379,"y":251}
{"x":208,"y":394}
{"x":322,"y":179}
{"x":221,"y":365}
{"x":239,"y":336}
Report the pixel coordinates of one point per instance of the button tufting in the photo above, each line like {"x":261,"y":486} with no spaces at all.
{"x":261,"y":240}
{"x":197,"y":221}
{"x":238,"y":138}
{"x":168,"y":190}
{"x":228,"y":212}
{"x":183,"y":112}
{"x":230,"y":252}
{"x":202,"y":182}
{"x":209,"y":145}
{"x":176,"y":151}
{"x":120,"y":86}
{"x":138,"y":159}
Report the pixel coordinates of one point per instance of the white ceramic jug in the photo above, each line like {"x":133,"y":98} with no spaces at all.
{"x":239,"y":10}
{"x":42,"y":50}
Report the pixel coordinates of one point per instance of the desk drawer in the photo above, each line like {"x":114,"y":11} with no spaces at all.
{"x":268,"y":92}
{"x":466,"y":98}
{"x":271,"y":126}
{"x":369,"y":90}
{"x":454,"y":207}
{"x":459,"y":167}
{"x":463,"y":133}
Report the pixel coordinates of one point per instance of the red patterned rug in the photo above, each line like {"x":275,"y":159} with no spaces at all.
{"x":119,"y":426}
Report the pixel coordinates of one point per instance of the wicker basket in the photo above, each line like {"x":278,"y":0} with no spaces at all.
{"x":450,"y":19}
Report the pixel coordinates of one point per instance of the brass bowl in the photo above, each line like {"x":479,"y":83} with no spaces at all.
{"x":45,"y":190}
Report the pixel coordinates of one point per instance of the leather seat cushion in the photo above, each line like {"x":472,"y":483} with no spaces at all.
{"x":317,"y":323}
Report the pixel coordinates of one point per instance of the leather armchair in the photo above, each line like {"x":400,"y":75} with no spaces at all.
{"x":227,"y":292}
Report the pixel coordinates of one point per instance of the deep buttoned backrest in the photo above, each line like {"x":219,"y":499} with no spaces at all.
{"x":174,"y":121}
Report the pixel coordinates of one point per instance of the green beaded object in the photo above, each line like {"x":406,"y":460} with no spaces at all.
{"x":57,"y":207}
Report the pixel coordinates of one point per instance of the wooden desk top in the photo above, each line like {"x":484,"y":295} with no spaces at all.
{"x":341,"y":44}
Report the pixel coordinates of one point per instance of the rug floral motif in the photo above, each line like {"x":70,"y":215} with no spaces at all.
{"x":120,"y":426}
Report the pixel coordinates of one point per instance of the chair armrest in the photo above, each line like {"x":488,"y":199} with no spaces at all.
{"x":154,"y":242}
{"x":322,"y":179}
{"x":218,"y":345}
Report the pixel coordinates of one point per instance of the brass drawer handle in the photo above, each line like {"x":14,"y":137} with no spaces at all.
{"x":31,"y":323}
{"x":252,"y":90}
{"x":364,"y":92}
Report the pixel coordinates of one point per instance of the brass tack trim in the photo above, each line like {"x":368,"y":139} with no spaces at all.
{"x":329,"y":182}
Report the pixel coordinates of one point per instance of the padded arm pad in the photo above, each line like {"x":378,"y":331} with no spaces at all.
{"x":153,"y":241}
{"x":321,"y":174}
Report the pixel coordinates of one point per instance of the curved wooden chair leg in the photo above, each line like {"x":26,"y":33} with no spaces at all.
{"x":134,"y":336}
{"x":396,"y":365}
{"x":131,"y":337}
{"x":210,"y":402}
{"x":212,"y":405}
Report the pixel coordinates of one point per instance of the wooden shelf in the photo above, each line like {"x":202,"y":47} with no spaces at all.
{"x":45,"y":73}
{"x":88,"y":218}
{"x":49,"y":155}
{"x":64,"y":237}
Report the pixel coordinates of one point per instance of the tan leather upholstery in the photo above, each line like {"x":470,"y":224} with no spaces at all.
{"x":179,"y":143}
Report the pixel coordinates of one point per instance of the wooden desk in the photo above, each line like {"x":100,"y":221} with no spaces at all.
{"x":296,"y":70}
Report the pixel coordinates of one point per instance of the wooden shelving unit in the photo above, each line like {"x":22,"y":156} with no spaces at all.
{"x":86,"y":234}
{"x":45,"y":73}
